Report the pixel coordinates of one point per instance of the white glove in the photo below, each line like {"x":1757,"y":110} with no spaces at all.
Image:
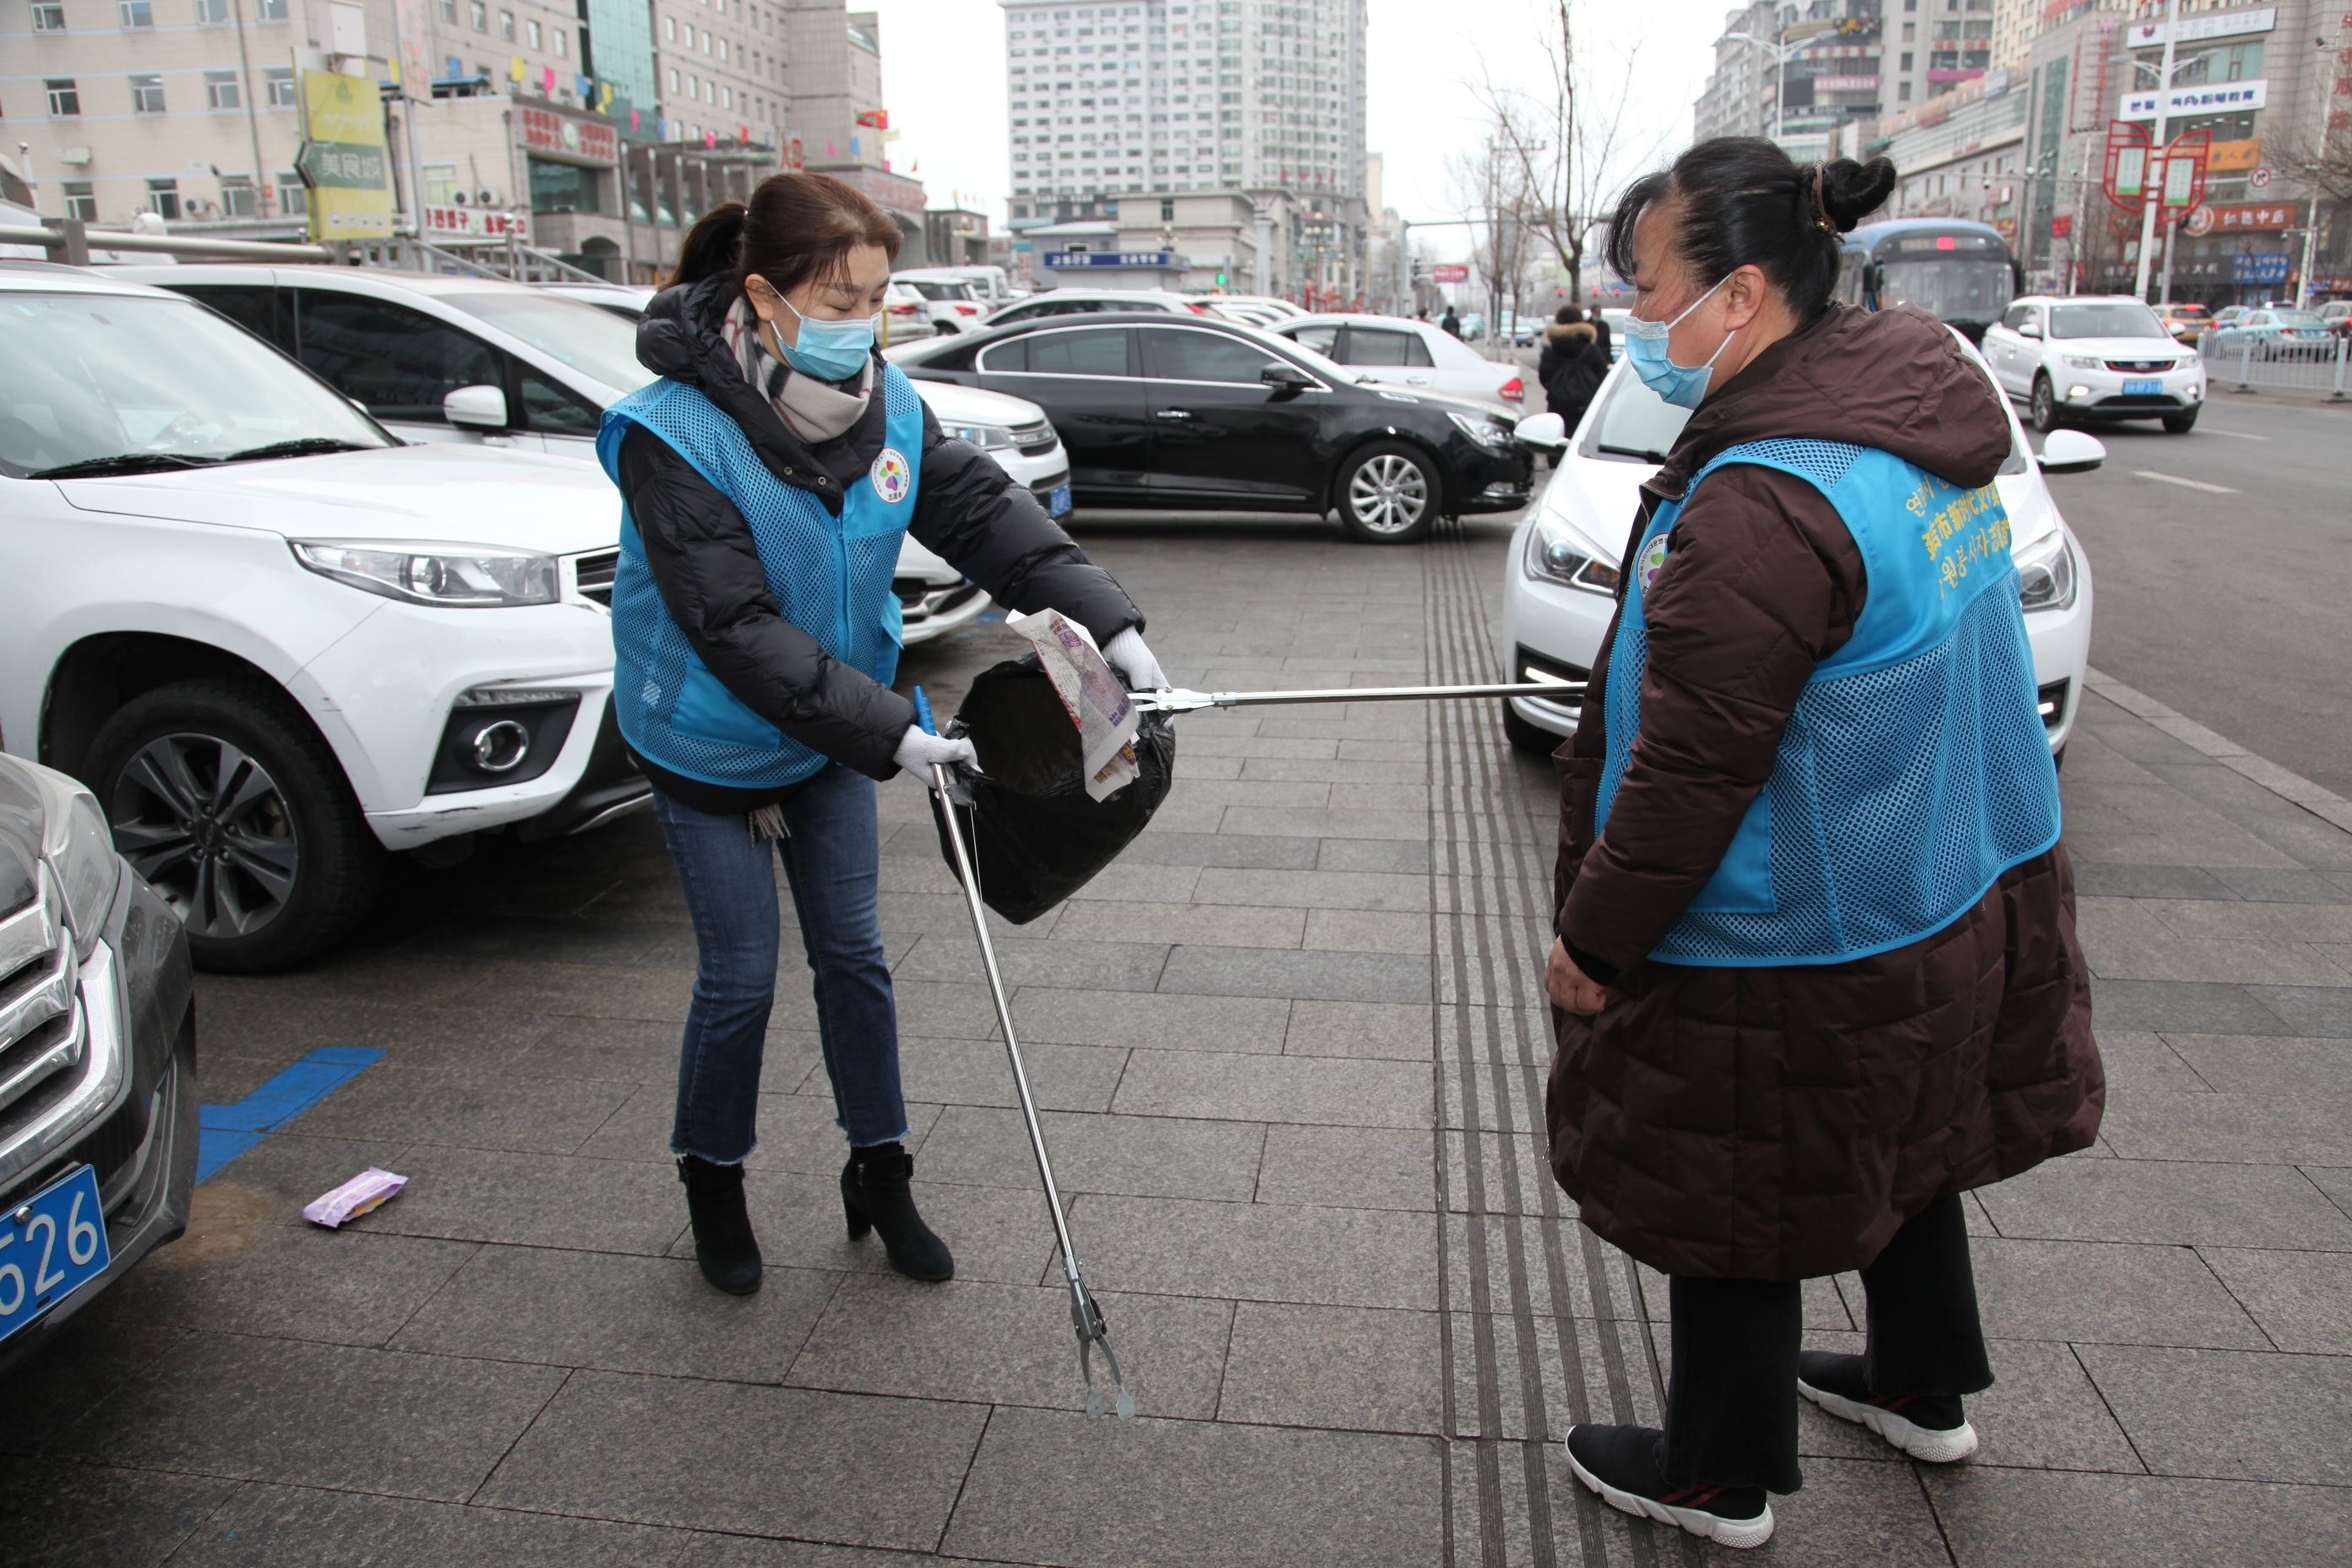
{"x":919,"y":750}
{"x":1128,"y":655}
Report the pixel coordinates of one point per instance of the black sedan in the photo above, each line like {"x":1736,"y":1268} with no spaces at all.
{"x":1197,"y":414}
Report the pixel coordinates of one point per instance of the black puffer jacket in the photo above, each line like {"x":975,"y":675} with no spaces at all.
{"x":700,"y":552}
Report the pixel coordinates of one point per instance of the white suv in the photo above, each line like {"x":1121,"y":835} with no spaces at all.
{"x":274,"y":642}
{"x":2081,"y":360}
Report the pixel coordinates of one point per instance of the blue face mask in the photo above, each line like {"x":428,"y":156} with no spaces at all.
{"x":1684,"y":387}
{"x":830,"y":351}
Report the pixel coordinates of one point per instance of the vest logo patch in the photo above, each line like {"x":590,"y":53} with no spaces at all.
{"x":1652,"y":562}
{"x":891,"y":475}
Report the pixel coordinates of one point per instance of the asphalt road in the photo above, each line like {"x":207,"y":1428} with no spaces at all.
{"x":2224,"y":566}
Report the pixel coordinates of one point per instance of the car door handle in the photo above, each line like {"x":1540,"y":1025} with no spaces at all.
{"x":1171,"y":414}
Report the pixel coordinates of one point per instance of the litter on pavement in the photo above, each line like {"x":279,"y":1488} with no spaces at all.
{"x":369,"y":1190}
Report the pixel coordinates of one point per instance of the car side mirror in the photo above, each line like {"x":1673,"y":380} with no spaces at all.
{"x":1544,"y":432}
{"x":1286,"y":378}
{"x":2028,"y":328}
{"x":476,"y":408}
{"x":2071,"y":452}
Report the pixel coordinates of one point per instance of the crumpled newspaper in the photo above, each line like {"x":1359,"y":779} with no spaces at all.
{"x":1091,"y":692}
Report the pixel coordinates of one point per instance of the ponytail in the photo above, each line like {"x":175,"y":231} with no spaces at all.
{"x":713,"y":247}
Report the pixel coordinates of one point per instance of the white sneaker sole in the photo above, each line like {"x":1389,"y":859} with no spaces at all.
{"x":1737,"y":1533}
{"x":1923,"y":1442}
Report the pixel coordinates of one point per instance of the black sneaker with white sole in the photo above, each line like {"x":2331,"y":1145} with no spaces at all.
{"x":1929,"y":1426}
{"x":1624,"y":1466}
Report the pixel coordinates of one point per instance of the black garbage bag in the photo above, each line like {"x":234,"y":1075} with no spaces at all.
{"x":1035,"y":837}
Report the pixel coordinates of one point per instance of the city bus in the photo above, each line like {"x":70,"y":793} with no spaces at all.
{"x":1962,"y":272}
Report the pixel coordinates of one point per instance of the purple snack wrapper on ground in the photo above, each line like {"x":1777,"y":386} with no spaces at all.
{"x":353,"y":1198}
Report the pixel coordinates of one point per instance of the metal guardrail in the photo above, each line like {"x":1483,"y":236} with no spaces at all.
{"x":2293,"y":368}
{"x":71,"y":240}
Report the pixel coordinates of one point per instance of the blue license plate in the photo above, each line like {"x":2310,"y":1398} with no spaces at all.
{"x":1058,"y":500}
{"x":50,"y":1245}
{"x":2148,"y":388}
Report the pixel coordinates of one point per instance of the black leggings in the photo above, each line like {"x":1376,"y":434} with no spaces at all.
{"x":1731,"y":1401}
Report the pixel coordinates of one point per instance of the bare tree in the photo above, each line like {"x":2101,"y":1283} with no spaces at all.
{"x":1485,"y":192}
{"x":2323,"y":166}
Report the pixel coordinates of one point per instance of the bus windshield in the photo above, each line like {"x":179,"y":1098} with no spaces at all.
{"x":1967,"y":291}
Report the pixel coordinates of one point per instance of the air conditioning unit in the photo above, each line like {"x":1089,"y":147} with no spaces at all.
{"x":460,"y":198}
{"x":487,"y":198}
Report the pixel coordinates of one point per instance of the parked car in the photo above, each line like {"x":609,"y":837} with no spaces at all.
{"x":1615,"y":320}
{"x":2093,"y":358}
{"x":508,"y":365}
{"x":1398,"y":352}
{"x":1271,"y":304}
{"x":1248,"y":312}
{"x":2337,"y":314}
{"x":2229,"y":315}
{"x":906,"y":314}
{"x":1206,"y":414}
{"x":1094,"y":301}
{"x":97,"y":1059}
{"x":948,"y":302}
{"x":1559,"y":588}
{"x":2271,"y":332}
{"x":2186,"y":322}
{"x":276,"y":642}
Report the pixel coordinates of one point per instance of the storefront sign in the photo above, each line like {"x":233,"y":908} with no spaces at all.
{"x":2252,"y":217}
{"x":2260,"y":267}
{"x":409,"y":33}
{"x":2232,"y":157}
{"x":1845,"y":84}
{"x":2195,"y":29}
{"x":475,"y":226}
{"x":341,"y":161}
{"x":1147,"y":259}
{"x":2226,"y":98}
{"x":567,"y":140}
{"x":1449,"y":272}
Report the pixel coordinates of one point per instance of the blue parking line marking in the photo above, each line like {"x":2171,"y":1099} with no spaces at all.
{"x":229,"y":1130}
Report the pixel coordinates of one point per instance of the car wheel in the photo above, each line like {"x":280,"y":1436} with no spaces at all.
{"x":225,"y":799}
{"x":1388,"y":494}
{"x":2181,"y":424}
{"x":1532,"y":739}
{"x":2045,"y":406}
{"x":947,"y":329}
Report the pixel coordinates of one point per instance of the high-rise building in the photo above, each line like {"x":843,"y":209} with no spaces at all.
{"x":720,"y":70}
{"x":1795,"y":70}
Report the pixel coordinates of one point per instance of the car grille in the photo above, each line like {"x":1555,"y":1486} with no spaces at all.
{"x":2139,"y":400}
{"x":41,"y":1027}
{"x":592,"y":574}
{"x":1031,"y":439}
{"x":2141,"y":367}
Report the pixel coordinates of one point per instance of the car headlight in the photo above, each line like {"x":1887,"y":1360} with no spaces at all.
{"x":1553,"y":558}
{"x":2083,"y":361}
{"x":464,"y":576}
{"x":2045,"y":573}
{"x":79,"y":848}
{"x":1486,"y":432}
{"x":987,"y":437}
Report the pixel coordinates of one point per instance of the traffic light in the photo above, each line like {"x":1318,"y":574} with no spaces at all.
{"x":1221,"y":279}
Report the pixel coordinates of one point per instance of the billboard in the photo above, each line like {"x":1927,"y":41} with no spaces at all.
{"x":342,"y":159}
{"x":1449,"y":272}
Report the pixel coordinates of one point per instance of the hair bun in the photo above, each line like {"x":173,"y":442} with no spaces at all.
{"x":1851,"y":191}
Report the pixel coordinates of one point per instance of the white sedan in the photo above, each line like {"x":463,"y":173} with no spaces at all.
{"x":1399,"y":352}
{"x":1559,"y":592}
{"x":2094,"y":358}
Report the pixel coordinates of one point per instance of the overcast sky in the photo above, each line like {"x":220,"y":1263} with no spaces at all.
{"x":943,"y":77}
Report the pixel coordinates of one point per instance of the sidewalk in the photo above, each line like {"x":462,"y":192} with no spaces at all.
{"x":1293,"y":1049}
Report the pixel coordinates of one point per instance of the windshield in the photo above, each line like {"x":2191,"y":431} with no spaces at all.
{"x":2104,"y":319}
{"x":2186,"y":310}
{"x":1951,"y":288}
{"x":597,"y":343}
{"x":97,"y":376}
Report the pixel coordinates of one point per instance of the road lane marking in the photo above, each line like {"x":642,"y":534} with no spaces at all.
{"x":2234,"y":435}
{"x":2177,"y":479}
{"x":227,"y":1131}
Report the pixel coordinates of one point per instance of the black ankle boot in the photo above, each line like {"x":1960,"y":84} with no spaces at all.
{"x":723,"y":1243}
{"x":874,"y":1196}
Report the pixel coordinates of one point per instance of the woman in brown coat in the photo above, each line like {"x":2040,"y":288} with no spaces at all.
{"x":1816,"y":972}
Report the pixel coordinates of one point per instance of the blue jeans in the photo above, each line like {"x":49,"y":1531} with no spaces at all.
{"x":832,"y":859}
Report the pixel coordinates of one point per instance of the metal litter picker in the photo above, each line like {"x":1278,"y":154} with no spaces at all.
{"x":1086,"y":1313}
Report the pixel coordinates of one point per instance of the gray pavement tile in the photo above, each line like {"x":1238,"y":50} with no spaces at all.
{"x":2102,"y":879}
{"x":620,"y":1314}
{"x":795,"y":1132}
{"x":1216,"y":849}
{"x":765,"y":1461}
{"x":2231,"y":1414}
{"x":1190,"y":767}
{"x":2301,"y":1300}
{"x":1328,"y":821}
{"x":1320,"y":1091}
{"x":1403,"y":770}
{"x":280,"y":1410}
{"x":1160,"y":1021}
{"x":2238,"y":1127}
{"x":2043,"y":1413}
{"x":1288,"y":972}
{"x":715,"y":1550}
{"x":1140,"y":1156}
{"x":1312,"y":890}
{"x":1850,"y":1511}
{"x":2135,"y":1058}
{"x":1145,"y":882}
{"x":2265,"y":1065}
{"x":1212,"y":925}
{"x":623,"y":1050}
{"x":359,"y":971}
{"x":590,"y":990}
{"x":1000,"y":1234}
{"x":1348,"y":1367}
{"x":1992,"y":1515}
{"x":2189,"y":960}
{"x":1398,"y":855}
{"x":1240,"y":745}
{"x":1399,"y":1031}
{"x":955,"y":1009}
{"x":1386,"y":794}
{"x":1184,"y":817}
{"x":1514,"y":1176}
{"x":533,"y":1200}
{"x":1011,"y":1344}
{"x":2181,"y":1007}
{"x":286,"y":1170}
{"x":976,"y":1072}
{"x":100,"y":1350}
{"x":289,"y":1527}
{"x":1348,"y":1167}
{"x":2118,"y":1292}
{"x":1274,"y":794}
{"x":1178,"y":1247}
{"x":2255,"y":921}
{"x":2305,"y":1010}
{"x":1368,"y":931}
{"x":61,"y":1515}
{"x":1037,"y":961}
{"x":474,"y":937}
{"x":1054,"y":1488}
{"x":468,"y":1111}
{"x":2178,"y":1202}
{"x":2271,"y":886}
{"x":242,"y":1024}
{"x":2335,"y":1184}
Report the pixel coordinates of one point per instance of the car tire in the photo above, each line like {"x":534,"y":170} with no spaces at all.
{"x":945,"y":329}
{"x":2181,"y":424}
{"x":2044,"y":405}
{"x":1532,"y":739}
{"x":285,"y":869}
{"x":1388,"y":493}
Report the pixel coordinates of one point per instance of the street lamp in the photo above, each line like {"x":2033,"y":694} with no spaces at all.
{"x":1782,"y":52}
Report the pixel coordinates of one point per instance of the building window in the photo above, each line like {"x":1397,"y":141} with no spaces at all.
{"x":531,"y":28}
{"x":561,"y":187}
{"x":147,"y":94}
{"x":136,"y":13}
{"x":722,"y":50}
{"x":506,"y":26}
{"x":48,"y":16}
{"x":211,"y":13}
{"x":673,"y":78}
{"x":450,"y":11}
{"x":480,"y":14}
{"x":278,"y":86}
{"x":65,"y":97}
{"x":293,"y":200}
{"x":563,"y":45}
{"x":81,"y":202}
{"x":669,"y":29}
{"x":238,"y":199}
{"x":269,"y":10}
{"x":1167,"y":212}
{"x":726,"y":98}
{"x":222,"y":91}
{"x":163,"y":198}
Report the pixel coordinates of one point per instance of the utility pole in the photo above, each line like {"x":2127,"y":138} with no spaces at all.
{"x":2151,"y":202}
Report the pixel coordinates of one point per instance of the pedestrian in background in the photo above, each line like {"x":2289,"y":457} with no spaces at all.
{"x":1570,"y":367}
{"x":1816,"y":973}
{"x":768,"y":477}
{"x":1450,"y":323}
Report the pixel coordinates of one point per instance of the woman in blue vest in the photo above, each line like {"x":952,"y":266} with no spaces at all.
{"x":770,"y":477}
{"x":1815,"y":973}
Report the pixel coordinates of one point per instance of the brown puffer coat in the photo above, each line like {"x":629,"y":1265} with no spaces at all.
{"x":1782,"y":1123}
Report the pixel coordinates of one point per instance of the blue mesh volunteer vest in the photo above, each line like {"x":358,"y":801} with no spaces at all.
{"x":830,"y":576}
{"x":1915,"y":770}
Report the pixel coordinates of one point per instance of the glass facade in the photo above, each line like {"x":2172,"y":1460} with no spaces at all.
{"x":617,"y":46}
